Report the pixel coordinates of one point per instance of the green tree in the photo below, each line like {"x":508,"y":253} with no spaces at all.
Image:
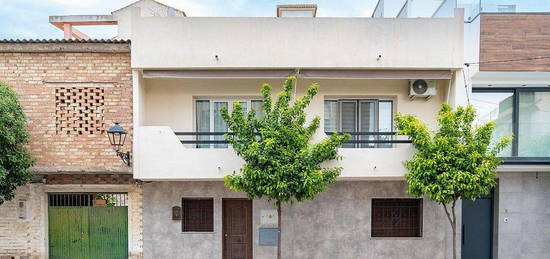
{"x":281,"y":163}
{"x":14,"y":158}
{"x":457,"y":161}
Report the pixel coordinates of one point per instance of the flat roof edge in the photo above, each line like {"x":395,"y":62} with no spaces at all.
{"x":64,"y":46}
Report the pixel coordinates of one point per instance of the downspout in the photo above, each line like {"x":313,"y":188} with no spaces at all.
{"x":449,"y":87}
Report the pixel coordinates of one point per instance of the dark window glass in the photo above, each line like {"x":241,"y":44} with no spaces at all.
{"x":396,"y":218}
{"x":198,"y":214}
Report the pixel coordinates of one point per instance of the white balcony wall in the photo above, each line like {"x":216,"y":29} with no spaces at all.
{"x":168,"y":106}
{"x":270,"y":42}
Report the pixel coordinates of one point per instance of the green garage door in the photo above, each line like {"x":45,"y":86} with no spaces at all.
{"x":87,"y":232}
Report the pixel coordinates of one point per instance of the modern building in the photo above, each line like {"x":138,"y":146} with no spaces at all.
{"x":507,"y":75}
{"x":166,"y":88}
{"x":364,"y":67}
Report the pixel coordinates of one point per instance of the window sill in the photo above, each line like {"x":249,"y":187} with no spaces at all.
{"x":198,"y":232}
{"x":396,"y":238}
{"x":525,"y":160}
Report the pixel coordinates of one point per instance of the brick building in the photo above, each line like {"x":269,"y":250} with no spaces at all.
{"x":71,"y":92}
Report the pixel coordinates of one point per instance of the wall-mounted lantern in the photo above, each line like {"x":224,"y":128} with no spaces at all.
{"x":117,"y":136}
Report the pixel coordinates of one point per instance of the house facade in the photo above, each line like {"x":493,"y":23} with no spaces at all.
{"x":508,"y":74}
{"x":364,"y":73}
{"x":71,"y":92}
{"x":166,"y":89}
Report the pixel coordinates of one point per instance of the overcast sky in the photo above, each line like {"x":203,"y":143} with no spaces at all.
{"x":28,"y":19}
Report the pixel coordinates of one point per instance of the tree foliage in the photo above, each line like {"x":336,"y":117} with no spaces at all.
{"x":456,"y":161}
{"x":281,"y":163}
{"x":14,"y":158}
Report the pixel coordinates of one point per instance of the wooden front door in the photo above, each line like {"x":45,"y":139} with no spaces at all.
{"x":237,"y":229}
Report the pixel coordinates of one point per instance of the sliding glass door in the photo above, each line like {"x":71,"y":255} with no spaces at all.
{"x":358,"y":116}
{"x":209,"y":117}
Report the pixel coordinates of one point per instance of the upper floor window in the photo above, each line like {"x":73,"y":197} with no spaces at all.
{"x":209,"y":118}
{"x":359,"y":116}
{"x":518,"y":110}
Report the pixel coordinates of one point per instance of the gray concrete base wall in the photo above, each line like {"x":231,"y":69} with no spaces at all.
{"x":334,"y":225}
{"x":524,"y":215}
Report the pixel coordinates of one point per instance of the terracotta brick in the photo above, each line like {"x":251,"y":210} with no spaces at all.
{"x":71,"y":133}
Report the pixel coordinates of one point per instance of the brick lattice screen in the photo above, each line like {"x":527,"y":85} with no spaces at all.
{"x":79,"y":110}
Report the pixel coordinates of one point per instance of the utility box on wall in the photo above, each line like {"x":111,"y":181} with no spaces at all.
{"x":176,"y":213}
{"x":268,"y":236}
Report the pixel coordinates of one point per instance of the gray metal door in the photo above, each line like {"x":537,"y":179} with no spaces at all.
{"x":477,"y":228}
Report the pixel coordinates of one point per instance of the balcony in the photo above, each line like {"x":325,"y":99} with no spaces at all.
{"x":179,"y":134}
{"x":169,"y":155}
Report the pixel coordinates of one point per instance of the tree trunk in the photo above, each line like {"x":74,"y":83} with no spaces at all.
{"x":279,"y":231}
{"x":452,"y":219}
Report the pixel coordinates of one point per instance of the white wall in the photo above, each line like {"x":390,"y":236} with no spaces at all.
{"x":147,"y":8}
{"x":193,"y":42}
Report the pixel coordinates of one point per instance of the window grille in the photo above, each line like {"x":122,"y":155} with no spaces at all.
{"x":198,"y":215}
{"x":396,"y":218}
{"x":85,"y":199}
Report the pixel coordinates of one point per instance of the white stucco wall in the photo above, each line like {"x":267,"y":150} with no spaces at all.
{"x":147,"y":8}
{"x":193,"y":42}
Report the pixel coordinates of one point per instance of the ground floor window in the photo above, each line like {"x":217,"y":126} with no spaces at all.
{"x":198,"y":214}
{"x":396,"y":218}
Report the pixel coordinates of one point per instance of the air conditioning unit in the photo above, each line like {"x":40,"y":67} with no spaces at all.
{"x":422,"y":88}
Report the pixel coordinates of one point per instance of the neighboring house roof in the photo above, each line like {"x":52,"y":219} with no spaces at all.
{"x":116,"y":41}
{"x":312,"y":7}
{"x":157,"y":2}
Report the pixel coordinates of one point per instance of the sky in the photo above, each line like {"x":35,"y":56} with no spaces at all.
{"x":28,"y":19}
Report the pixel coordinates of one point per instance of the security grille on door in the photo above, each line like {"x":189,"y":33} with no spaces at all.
{"x":86,"y":199}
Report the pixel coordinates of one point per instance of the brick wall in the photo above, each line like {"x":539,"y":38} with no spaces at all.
{"x":89,"y":179}
{"x":71,"y":93}
{"x":24,"y":238}
{"x":70,"y":99}
{"x":513,"y":37}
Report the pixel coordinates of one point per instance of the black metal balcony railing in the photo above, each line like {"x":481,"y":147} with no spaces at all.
{"x":357,"y":140}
